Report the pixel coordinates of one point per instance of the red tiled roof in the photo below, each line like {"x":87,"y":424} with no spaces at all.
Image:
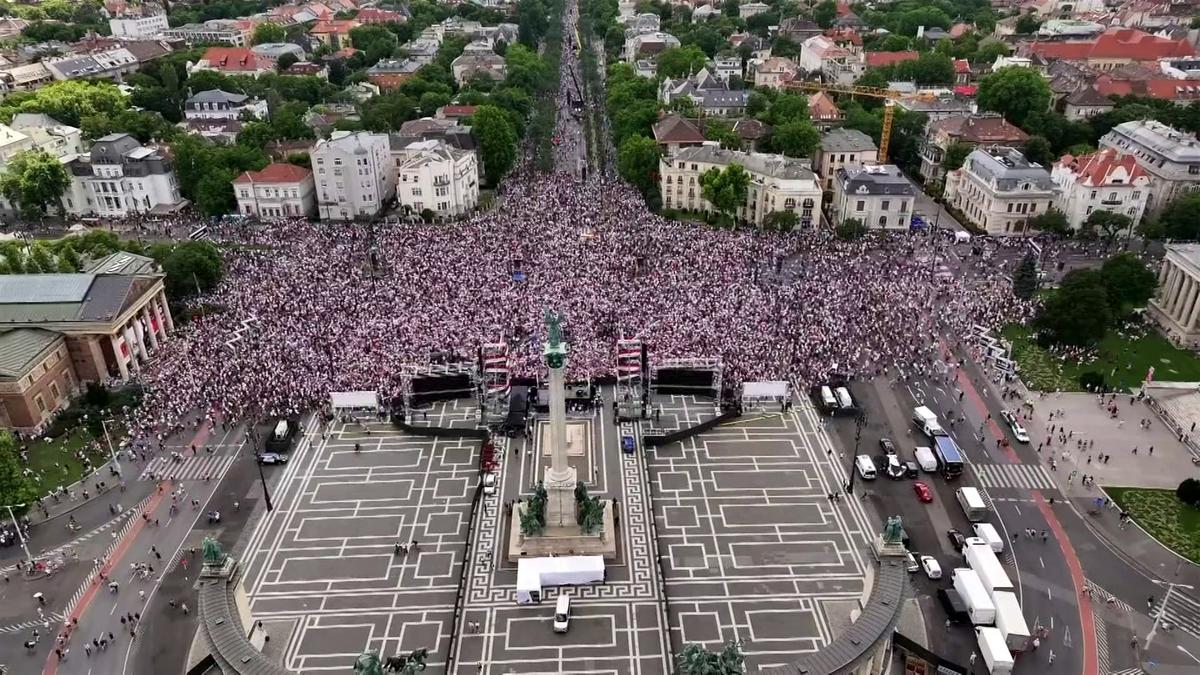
{"x":1095,"y":169}
{"x":822,"y":107}
{"x":236,"y":59}
{"x":275,"y":173}
{"x":676,"y":129}
{"x":966,"y":90}
{"x":1115,"y":43}
{"x":962,"y":66}
{"x":375,"y":15}
{"x":340,"y":27}
{"x":1163,"y":88}
{"x":458,"y":110}
{"x":880,"y":59}
{"x":986,"y":128}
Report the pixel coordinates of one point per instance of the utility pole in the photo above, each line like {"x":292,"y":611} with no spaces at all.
{"x":859,"y":422}
{"x":254,"y":453}
{"x":113,"y":455}
{"x":20,"y":535}
{"x":1158,"y":616}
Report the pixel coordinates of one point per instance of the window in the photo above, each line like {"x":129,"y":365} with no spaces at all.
{"x":788,"y":203}
{"x":903,"y":206}
{"x":885,"y":205}
{"x":1193,"y":169}
{"x":883,"y":221}
{"x":860,"y":206}
{"x":1137,"y":194}
{"x":416,"y":192}
{"x":41,"y":405}
{"x":1010,"y":207}
{"x":1093,"y":195}
{"x":54,"y":391}
{"x":1112,"y":196}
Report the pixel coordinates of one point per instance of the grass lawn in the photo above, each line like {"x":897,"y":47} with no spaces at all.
{"x":1047,"y":372}
{"x":43,"y":455}
{"x":1161,"y":514}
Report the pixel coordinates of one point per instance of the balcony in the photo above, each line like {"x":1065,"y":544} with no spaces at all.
{"x":1111,"y":202}
{"x":441,"y":180}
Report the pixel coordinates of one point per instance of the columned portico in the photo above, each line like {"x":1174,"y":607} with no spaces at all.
{"x":1176,"y":305}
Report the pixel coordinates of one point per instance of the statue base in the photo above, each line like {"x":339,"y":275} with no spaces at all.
{"x":568,"y":539}
{"x":887,"y":549}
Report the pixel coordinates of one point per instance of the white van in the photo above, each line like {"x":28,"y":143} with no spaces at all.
{"x":986,"y":532}
{"x":827,"y":398}
{"x":926,"y":460}
{"x":865,"y":466}
{"x":971,"y":501}
{"x":843,"y":398}
{"x":562,"y":613}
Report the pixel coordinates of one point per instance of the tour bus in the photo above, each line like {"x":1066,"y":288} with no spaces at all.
{"x":972,"y":503}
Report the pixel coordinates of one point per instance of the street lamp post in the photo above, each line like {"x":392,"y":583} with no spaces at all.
{"x":20,"y":535}
{"x":261,"y":477}
{"x":111,"y":453}
{"x":1162,"y":609}
{"x":859,"y":422}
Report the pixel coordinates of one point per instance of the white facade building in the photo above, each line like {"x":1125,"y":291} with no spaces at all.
{"x":436,"y":176}
{"x":278,"y":191}
{"x":354,"y":175}
{"x":999,"y":190}
{"x":216,"y":104}
{"x":777,"y":183}
{"x":138,"y":26}
{"x":1102,"y":181}
{"x":880,"y":196}
{"x":1176,"y":305}
{"x":120,"y":177}
{"x":1171,"y":158}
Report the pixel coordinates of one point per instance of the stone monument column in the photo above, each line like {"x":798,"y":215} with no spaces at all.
{"x":560,"y":476}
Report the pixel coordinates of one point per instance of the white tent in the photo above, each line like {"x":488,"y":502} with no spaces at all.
{"x":354,"y":400}
{"x":762,"y":393}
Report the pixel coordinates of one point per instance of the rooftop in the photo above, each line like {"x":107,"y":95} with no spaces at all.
{"x":846,"y":140}
{"x":275,"y":173}
{"x":883,"y":179}
{"x":1162,"y":139}
{"x":983,"y":128}
{"x":772,"y":166}
{"x":1008,"y":169}
{"x":21,"y":347}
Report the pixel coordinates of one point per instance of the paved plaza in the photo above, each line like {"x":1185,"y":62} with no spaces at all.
{"x":322,"y":571}
{"x":753,"y":548}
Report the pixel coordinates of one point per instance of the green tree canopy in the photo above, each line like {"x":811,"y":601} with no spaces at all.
{"x":1108,"y":225}
{"x":694,"y":659}
{"x":1014,"y":92}
{"x":1077,"y":314}
{"x":497,"y":141}
{"x":525,"y":69}
{"x":797,"y":138}
{"x":722,"y":132}
{"x":956,"y":154}
{"x":191,"y":266}
{"x":15,"y":487}
{"x":68,"y":101}
{"x":1181,"y":218}
{"x":1025,"y":277}
{"x":375,"y":42}
{"x":681,"y":61}
{"x":781,"y":221}
{"x":1051,"y":221}
{"x":1127,"y":280}
{"x":725,"y":188}
{"x":34,"y":180}
{"x":268,"y":32}
{"x":637,"y":162}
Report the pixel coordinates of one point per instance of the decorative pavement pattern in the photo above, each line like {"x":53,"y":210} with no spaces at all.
{"x":617,"y":626}
{"x":322,"y":564}
{"x":753,"y":548}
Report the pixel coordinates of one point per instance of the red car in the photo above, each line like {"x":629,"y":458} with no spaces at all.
{"x":923,"y":492}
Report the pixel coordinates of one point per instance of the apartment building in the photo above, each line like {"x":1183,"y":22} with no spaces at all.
{"x":842,"y":148}
{"x":119,"y":177}
{"x":879,"y":196}
{"x":436,"y":176}
{"x":999,"y":190}
{"x":278,"y":191}
{"x":1105,"y":180}
{"x":354,"y":174}
{"x":1169,"y":157}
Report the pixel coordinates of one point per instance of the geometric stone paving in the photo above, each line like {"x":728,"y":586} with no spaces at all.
{"x":754,"y":550}
{"x":322,"y":563}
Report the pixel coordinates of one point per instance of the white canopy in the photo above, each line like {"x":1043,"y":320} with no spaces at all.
{"x":775,"y":390}
{"x":358,"y":400}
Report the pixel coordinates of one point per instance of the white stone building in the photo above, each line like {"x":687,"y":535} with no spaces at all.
{"x":997,"y":189}
{"x":849,"y":148}
{"x":880,"y":196}
{"x":1102,"y":181}
{"x":278,"y":191}
{"x":777,"y":183}
{"x":354,"y":175}
{"x":436,"y":176}
{"x":1171,"y":158}
{"x":120,"y":177}
{"x":135,"y":26}
{"x":216,"y":104}
{"x":1176,"y":305}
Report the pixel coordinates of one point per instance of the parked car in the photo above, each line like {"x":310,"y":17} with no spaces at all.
{"x":272,"y":458}
{"x":1018,"y":431}
{"x":932,"y":569}
{"x":888,"y":447}
{"x":489,"y":483}
{"x":953,"y":603}
{"x":910,"y":562}
{"x":957,"y":540}
{"x":923,"y":491}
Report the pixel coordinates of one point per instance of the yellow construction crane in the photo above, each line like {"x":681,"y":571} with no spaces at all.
{"x":889,"y":96}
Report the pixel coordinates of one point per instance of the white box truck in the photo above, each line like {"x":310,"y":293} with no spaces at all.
{"x":1010,"y":621}
{"x":983,"y":561}
{"x":995,"y":653}
{"x":980,"y":607}
{"x":924,"y":418}
{"x":572,"y":570}
{"x":988,"y":533}
{"x":927,"y":460}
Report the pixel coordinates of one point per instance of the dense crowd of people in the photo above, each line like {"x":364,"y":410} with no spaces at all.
{"x":329,"y":316}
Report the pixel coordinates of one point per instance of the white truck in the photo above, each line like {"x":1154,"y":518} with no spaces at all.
{"x":980,"y":608}
{"x":995,"y":653}
{"x":1010,"y":621}
{"x":534,"y":573}
{"x":983,"y":561}
{"x":926,"y":460}
{"x":924,"y":418}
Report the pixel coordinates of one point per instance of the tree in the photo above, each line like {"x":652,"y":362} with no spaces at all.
{"x":956,"y":154}
{"x":1181,"y":218}
{"x":694,"y":659}
{"x":637,"y":162}
{"x":825,"y":13}
{"x":1128,"y":281}
{"x":268,"y":32}
{"x":531,"y":22}
{"x":681,"y":61}
{"x":1108,"y":224}
{"x":68,"y":101}
{"x":788,"y":108}
{"x":286,"y":61}
{"x":781,"y":221}
{"x":1014,"y":92}
{"x":722,"y":132}
{"x":725,"y":188}
{"x":1188,"y":492}
{"x":190,"y":267}
{"x":525,"y":69}
{"x":1052,"y":221}
{"x":33,"y":181}
{"x":1025,"y":277}
{"x":497,"y":141}
{"x":1027,"y":24}
{"x":15,"y":487}
{"x":796,"y":139}
{"x":1077,"y":314}
{"x":1037,"y":149}
{"x":851,"y":229}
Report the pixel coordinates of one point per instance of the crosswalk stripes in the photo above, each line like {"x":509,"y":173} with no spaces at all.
{"x":1129,"y":671}
{"x":1099,"y":595}
{"x":189,"y":468}
{"x":1101,"y":629}
{"x":1029,"y":476}
{"x":1183,"y":613}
